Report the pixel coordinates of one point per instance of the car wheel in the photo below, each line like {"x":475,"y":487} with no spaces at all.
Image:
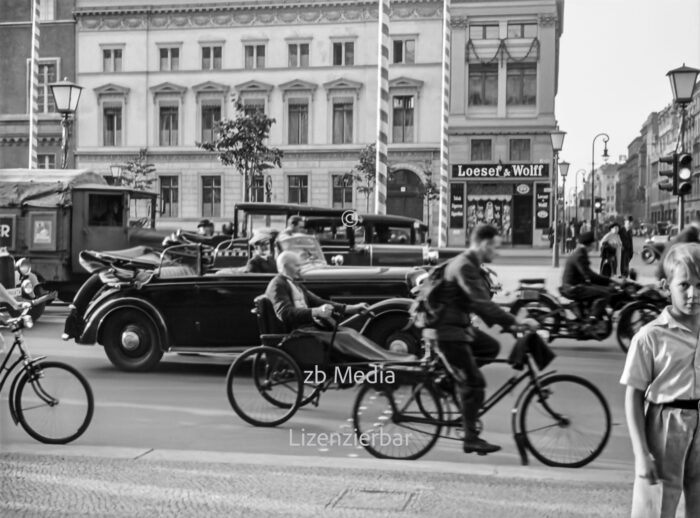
{"x":648,"y":256}
{"x":388,"y":333}
{"x":131,"y":341}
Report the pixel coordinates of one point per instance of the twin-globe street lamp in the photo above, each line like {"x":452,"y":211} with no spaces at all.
{"x":557,"y":137}
{"x":682,"y":85}
{"x":66,"y":96}
{"x":606,"y":138}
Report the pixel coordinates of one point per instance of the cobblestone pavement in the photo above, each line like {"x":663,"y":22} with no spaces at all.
{"x":150,"y":485}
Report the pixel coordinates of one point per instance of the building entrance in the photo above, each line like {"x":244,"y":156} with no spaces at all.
{"x":405,"y":194}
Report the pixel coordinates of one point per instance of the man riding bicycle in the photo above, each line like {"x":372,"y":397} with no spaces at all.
{"x":464,"y":291}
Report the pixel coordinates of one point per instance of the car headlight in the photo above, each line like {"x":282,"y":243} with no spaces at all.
{"x":337,"y":260}
{"x":433,"y":256}
{"x":24,"y":267}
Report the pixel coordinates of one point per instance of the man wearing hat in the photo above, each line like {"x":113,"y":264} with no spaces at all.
{"x":582,"y":284}
{"x":262,"y":260}
{"x":205,"y":228}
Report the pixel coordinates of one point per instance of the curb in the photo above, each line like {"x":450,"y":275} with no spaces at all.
{"x":297,"y":461}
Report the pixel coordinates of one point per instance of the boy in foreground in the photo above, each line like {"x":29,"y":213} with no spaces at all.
{"x":662,"y":373}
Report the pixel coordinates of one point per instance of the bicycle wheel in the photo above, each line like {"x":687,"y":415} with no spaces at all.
{"x":391,"y":422}
{"x":309,"y":392}
{"x":632,"y":318}
{"x":264,"y":386}
{"x":566,"y":422}
{"x":54,"y":402}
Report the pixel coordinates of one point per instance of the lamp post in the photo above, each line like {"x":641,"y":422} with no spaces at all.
{"x":682,"y":85}
{"x":576,"y":189}
{"x":66,"y":96}
{"x":563,"y":171}
{"x":606,"y":138}
{"x":557,"y":137}
{"x":116,"y":171}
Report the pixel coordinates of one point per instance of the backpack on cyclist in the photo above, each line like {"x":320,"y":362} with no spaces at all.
{"x":426,"y":309}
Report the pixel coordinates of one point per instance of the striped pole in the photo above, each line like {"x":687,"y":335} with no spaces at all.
{"x":444,"y":125}
{"x":34,"y":89}
{"x":382,"y":106}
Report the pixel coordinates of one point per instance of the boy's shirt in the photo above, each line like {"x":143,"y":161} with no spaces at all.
{"x":664,"y":361}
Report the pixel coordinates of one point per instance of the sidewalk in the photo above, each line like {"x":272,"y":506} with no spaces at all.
{"x":39,"y":480}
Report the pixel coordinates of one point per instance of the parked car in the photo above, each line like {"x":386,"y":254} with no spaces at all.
{"x":139,"y":304}
{"x":360,"y":239}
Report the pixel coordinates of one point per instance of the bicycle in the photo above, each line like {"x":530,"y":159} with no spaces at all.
{"x":51,"y":400}
{"x":562,"y":419}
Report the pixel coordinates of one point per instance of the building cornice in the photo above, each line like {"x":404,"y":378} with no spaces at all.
{"x":253,"y":13}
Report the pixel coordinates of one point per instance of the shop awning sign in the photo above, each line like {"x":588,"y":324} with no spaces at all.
{"x":511,"y":171}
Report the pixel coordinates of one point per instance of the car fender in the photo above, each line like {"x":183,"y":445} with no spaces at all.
{"x":382,"y":310}
{"x":95,"y":323}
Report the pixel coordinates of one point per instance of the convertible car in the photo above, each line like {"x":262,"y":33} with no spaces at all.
{"x":139,"y":304}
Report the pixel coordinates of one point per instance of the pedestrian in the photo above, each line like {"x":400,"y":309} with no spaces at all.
{"x":571,"y":235}
{"x":550,"y":235}
{"x":627,"y":246}
{"x":610,"y":251}
{"x":585,"y":227}
{"x":662,"y":395}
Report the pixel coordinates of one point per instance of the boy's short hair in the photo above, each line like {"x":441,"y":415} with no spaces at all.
{"x":482,"y":232}
{"x":686,"y":254}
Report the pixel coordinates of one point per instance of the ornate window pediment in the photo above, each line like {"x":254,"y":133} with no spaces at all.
{"x":210,"y":87}
{"x":405,"y":86}
{"x":168,"y":89}
{"x":112,"y":89}
{"x":253,"y":87}
{"x":298,"y":86}
{"x":342,"y":86}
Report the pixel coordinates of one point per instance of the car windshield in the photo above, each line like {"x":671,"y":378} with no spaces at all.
{"x":307,"y":247}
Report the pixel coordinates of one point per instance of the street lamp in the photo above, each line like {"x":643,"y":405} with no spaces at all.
{"x":557,"y":137}
{"x":116,"y":170}
{"x":682,"y":85}
{"x":606,"y":138}
{"x":563,"y":171}
{"x":66,"y":96}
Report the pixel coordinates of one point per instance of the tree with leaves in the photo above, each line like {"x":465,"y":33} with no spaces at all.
{"x":241,"y":142}
{"x":364,"y":174}
{"x":138,"y":174}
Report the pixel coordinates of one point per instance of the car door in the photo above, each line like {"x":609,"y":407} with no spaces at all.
{"x":172,"y":298}
{"x":223,"y":309}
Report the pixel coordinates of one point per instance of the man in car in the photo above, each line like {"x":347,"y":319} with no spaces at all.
{"x":296,"y":306}
{"x":295,"y":225}
{"x":465,"y":292}
{"x":205,"y":228}
{"x":262,"y":260}
{"x":582,"y":284}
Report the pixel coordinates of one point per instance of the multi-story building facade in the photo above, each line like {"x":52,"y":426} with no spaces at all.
{"x":504,"y":70}
{"x":160,"y":76}
{"x":56,"y":61}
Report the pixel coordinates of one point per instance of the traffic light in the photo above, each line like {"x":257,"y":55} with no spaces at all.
{"x":684,"y":173}
{"x":598,"y":205}
{"x":672,"y":183}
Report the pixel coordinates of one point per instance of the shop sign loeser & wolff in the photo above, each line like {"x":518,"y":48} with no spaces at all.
{"x":518,"y":171}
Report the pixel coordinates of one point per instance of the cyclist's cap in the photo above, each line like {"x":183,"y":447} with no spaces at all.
{"x":586,"y":238}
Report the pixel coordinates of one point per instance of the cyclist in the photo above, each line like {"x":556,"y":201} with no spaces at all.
{"x":464,"y":291}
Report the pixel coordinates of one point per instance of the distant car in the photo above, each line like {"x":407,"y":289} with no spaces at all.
{"x":139,"y":305}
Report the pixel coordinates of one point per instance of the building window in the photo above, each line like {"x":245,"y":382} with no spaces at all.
{"x":211,"y":57}
{"x":253,"y":105}
{"x":254,"y":56}
{"x":522,"y":30}
{"x":168,"y":124}
{"x":521,"y":85}
{"x":483,"y":32}
{"x":298,"y":55}
{"x":46,"y":161}
{"x":169,"y":196}
{"x":211,"y":115}
{"x":111,"y":60}
{"x":343,"y":53}
{"x":342,"y":122}
{"x":342,"y":191}
{"x":402,"y":118}
{"x":48,"y":10}
{"x":47,"y":75}
{"x":404,"y":51}
{"x":169,"y":58}
{"x":298,"y":189}
{"x":257,"y":191}
{"x":211,"y":196}
{"x":483,"y":85}
{"x":520,"y":149}
{"x":481,"y":149}
{"x":298,"y":121}
{"x":112,"y":126}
